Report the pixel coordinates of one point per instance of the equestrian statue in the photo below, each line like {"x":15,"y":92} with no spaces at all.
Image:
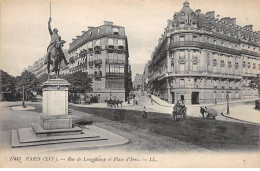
{"x":54,"y":54}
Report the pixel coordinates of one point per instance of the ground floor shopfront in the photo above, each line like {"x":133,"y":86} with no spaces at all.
{"x":202,"y":91}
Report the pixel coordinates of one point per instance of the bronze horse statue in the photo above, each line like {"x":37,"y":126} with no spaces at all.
{"x":55,"y":58}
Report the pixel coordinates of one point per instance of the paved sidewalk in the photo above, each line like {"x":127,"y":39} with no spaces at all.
{"x":246,"y":113}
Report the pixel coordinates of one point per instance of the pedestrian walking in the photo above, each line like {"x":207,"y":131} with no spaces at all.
{"x":145,"y":111}
{"x":136,"y":100}
{"x":151,"y":100}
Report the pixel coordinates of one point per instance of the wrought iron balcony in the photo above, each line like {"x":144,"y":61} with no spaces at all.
{"x":97,"y":75}
{"x":90,"y":63}
{"x":247,"y":52}
{"x":90,"y":49}
{"x":97,"y":48}
{"x":98,"y":62}
{"x":204,"y":45}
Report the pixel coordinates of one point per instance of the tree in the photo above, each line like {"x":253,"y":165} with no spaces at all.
{"x":255,"y":83}
{"x":30,"y":83}
{"x":79,"y":82}
{"x":41,"y":79}
{"x":129,"y":82}
{"x":7,"y":83}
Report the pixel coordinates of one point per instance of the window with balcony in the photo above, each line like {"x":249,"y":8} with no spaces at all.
{"x":248,"y":64}
{"x":236,"y":65}
{"x":222,"y":63}
{"x":90,"y":46}
{"x":229,"y":64}
{"x":115,"y":30}
{"x":244,"y":64}
{"x":182,"y":55}
{"x":194,"y":38}
{"x":182,"y":67}
{"x":214,"y":62}
{"x":121,"y":44}
{"x":121,"y":58}
{"x":110,"y":43}
{"x":194,"y":67}
{"x":254,"y":66}
{"x":182,"y":38}
{"x":97,"y":45}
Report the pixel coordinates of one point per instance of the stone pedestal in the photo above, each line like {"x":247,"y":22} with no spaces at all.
{"x":55,"y":105}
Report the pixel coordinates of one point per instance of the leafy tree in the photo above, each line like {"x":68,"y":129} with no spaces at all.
{"x":255,"y":83}
{"x":30,"y":83}
{"x":79,"y":82}
{"x":7,"y":84}
{"x":41,"y":79}
{"x":129,"y":83}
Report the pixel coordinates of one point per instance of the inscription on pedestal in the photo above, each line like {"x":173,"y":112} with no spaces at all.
{"x":55,"y":105}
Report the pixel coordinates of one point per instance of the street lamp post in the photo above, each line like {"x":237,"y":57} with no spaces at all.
{"x":168,"y":87}
{"x":23,"y":98}
{"x":228,"y":112}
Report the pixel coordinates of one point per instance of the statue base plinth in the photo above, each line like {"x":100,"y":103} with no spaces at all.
{"x":56,"y":122}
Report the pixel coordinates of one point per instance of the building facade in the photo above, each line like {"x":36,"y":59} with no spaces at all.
{"x":203,"y":59}
{"x":138,"y":81}
{"x":38,"y":68}
{"x":102,"y":52}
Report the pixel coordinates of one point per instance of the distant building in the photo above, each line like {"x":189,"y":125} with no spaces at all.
{"x":102,"y":52}
{"x":38,"y":68}
{"x":146,"y":74}
{"x":202,"y":59}
{"x":138,"y":81}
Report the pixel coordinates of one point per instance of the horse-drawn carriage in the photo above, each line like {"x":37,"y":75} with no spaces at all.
{"x":208,"y":112}
{"x":114,"y":103}
{"x":179,"y":110}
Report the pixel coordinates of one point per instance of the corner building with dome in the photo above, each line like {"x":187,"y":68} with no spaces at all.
{"x":203,"y":59}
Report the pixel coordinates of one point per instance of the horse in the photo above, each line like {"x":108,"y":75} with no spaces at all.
{"x":209,"y":112}
{"x":56,"y":55}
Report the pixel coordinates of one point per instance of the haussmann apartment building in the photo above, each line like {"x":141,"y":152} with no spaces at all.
{"x":203,"y":59}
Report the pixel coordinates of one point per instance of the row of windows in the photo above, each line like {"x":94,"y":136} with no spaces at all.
{"x":98,"y":42}
{"x":114,"y":83}
{"x":120,"y":69}
{"x":183,"y":38}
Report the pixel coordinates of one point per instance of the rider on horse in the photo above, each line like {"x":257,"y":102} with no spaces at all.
{"x":54,"y":38}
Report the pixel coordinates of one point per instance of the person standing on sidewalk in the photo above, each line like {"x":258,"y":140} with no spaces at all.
{"x":151,"y":100}
{"x":145,"y":113}
{"x":136,"y":100}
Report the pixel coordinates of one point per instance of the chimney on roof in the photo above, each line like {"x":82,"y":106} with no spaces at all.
{"x":186,"y":4}
{"x":90,"y":27}
{"x":249,"y":27}
{"x":198,"y":11}
{"x":226,"y":20}
{"x":233,"y":21}
{"x":108,"y":23}
{"x":211,"y":14}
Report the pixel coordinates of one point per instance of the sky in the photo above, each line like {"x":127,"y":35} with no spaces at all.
{"x":25,"y":37}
